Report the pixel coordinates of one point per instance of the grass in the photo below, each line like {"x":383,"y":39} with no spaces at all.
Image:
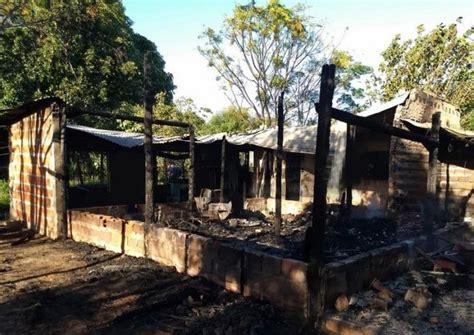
{"x":4,"y":195}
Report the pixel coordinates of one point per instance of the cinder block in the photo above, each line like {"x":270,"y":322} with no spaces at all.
{"x":336,"y":283}
{"x":200,"y":253}
{"x":271,"y":265}
{"x":252,"y":261}
{"x":294,"y":270}
{"x":166,"y":246}
{"x":135,"y":238}
{"x":359,"y":272}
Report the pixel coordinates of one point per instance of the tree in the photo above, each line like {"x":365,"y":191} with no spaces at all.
{"x":439,"y":61}
{"x":83,"y":51}
{"x":263,"y":50}
{"x":348,"y":74}
{"x":183,"y":109}
{"x":231,"y":120}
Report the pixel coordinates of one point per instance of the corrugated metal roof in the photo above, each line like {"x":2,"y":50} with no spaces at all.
{"x":295,"y":139}
{"x":123,"y":138}
{"x":384,"y":106}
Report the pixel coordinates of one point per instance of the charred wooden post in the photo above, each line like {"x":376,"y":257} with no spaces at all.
{"x":350,"y":138}
{"x":148,"y":141}
{"x":317,"y":233}
{"x":59,"y":137}
{"x":431,"y":208}
{"x":222,"y":181}
{"x":279,"y":157}
{"x":192,"y":172}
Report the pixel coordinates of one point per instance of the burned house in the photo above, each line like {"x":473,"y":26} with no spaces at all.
{"x":388,"y":175}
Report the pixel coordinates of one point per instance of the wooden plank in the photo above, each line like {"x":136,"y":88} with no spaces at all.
{"x":148,"y":140}
{"x":279,"y":157}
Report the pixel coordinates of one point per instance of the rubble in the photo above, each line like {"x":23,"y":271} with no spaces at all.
{"x":344,"y":238}
{"x":417,"y":298}
{"x":342,"y":327}
{"x":342,"y":303}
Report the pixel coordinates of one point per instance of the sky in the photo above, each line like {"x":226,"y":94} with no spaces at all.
{"x":362,"y":27}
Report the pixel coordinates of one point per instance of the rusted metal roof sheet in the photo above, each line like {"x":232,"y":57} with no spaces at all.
{"x":295,"y":139}
{"x":123,"y":138}
{"x":380,"y":108}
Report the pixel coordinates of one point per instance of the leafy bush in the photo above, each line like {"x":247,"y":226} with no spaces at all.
{"x":4,"y":195}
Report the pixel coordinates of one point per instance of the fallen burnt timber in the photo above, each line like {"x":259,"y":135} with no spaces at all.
{"x":354,"y":120}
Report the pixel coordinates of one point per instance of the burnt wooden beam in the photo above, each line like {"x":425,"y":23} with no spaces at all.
{"x":384,"y":128}
{"x":431,"y":207}
{"x":192,"y":170}
{"x":222,"y":180}
{"x":279,"y":156}
{"x":150,"y":161}
{"x":316,"y":234}
{"x":79,"y":111}
{"x":171,"y":156}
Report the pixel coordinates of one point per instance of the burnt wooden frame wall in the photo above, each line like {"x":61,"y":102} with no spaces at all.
{"x":73,"y":112}
{"x":316,"y":235}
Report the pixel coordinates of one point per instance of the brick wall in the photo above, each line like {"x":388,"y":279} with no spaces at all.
{"x":279,"y":280}
{"x":456,"y":188}
{"x":409,"y":164}
{"x":32,"y":171}
{"x":355,"y":273}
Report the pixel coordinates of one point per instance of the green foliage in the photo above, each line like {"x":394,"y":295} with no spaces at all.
{"x":348,"y":72}
{"x":4,"y":195}
{"x":263,"y":50}
{"x":80,"y":50}
{"x":439,"y":61}
{"x":183,"y":109}
{"x":231,"y":120}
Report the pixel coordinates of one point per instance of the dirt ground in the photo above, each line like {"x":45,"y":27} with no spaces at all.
{"x":64,"y":287}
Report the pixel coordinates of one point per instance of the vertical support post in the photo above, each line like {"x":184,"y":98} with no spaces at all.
{"x":191,"y":176}
{"x":431,"y":207}
{"x":350,"y":137}
{"x":279,"y":157}
{"x":148,"y":143}
{"x":318,"y":229}
{"x":60,"y":161}
{"x":222,"y":181}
